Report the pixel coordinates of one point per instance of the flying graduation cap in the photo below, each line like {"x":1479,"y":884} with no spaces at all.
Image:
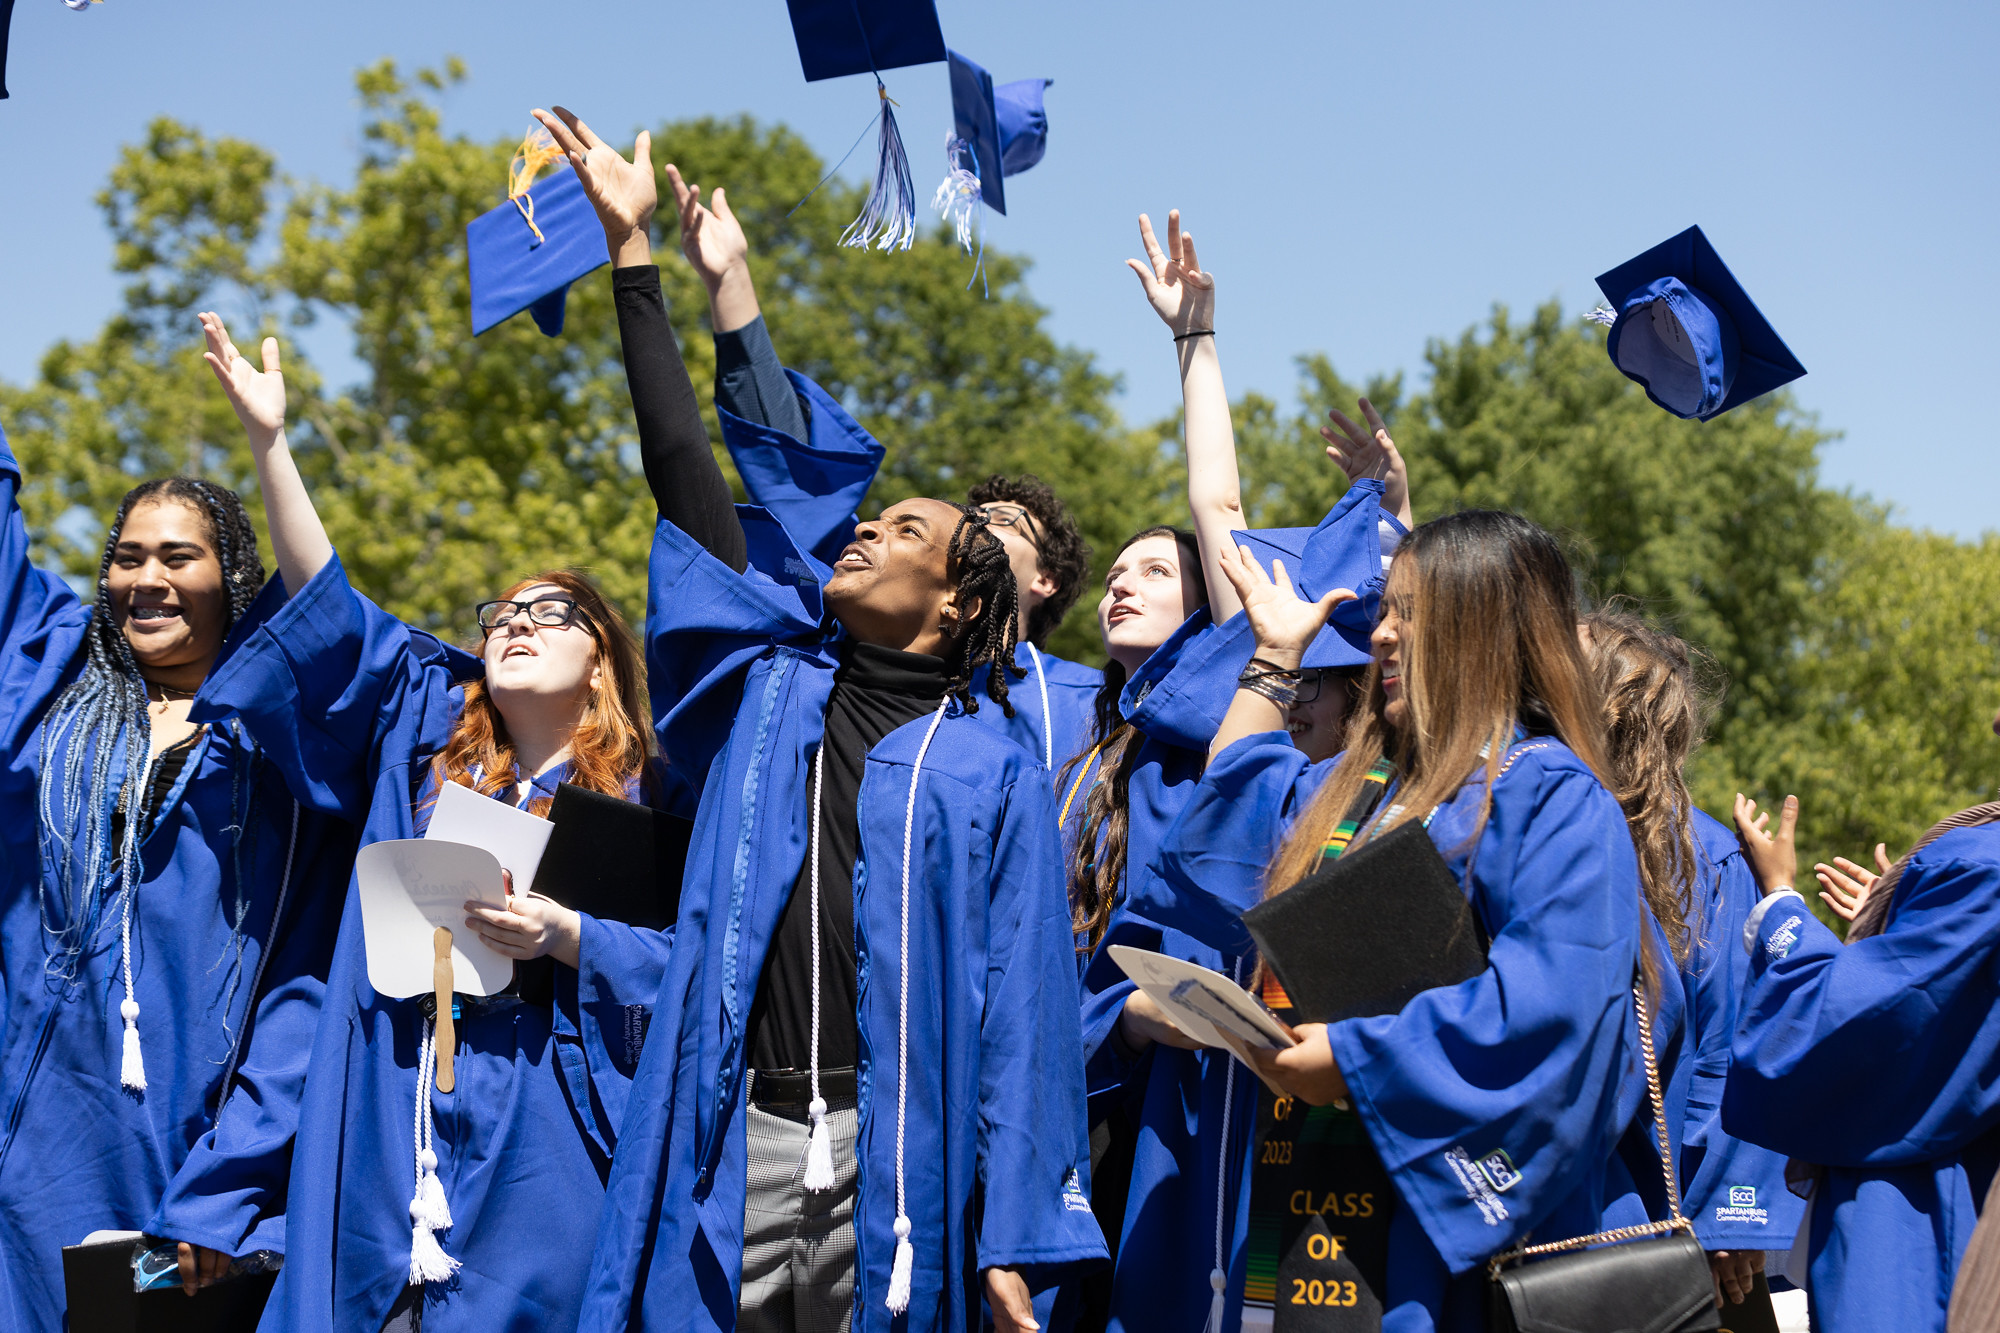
{"x":1685,"y":330}
{"x":996,"y":132}
{"x":6,"y":21}
{"x":524,"y":254}
{"x":841,"y":37}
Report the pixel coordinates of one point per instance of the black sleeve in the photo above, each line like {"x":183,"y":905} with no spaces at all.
{"x":750,"y":381}
{"x":681,"y":470}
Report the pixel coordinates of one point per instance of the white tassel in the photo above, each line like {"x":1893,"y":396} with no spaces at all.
{"x":899,"y":1273}
{"x":1603,"y":314}
{"x":430,"y":1196}
{"x":428,"y":1261}
{"x":1218,"y":1282}
{"x":819,"y":1150}
{"x":132,"y":1071}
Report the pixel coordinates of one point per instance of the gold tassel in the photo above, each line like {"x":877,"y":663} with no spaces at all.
{"x":538,"y":149}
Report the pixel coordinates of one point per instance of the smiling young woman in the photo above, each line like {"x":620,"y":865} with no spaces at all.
{"x":372,"y":718}
{"x":148,"y":838}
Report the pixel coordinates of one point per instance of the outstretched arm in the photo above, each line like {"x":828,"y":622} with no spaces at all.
{"x":1184,"y":298}
{"x":750,"y":380}
{"x":681,"y":471}
{"x":298,"y":538}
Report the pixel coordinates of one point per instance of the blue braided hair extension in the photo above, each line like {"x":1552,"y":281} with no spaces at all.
{"x":101,"y":719}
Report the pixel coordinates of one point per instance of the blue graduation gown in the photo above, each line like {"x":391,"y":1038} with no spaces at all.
{"x":1536,"y":1057}
{"x":1881,"y":1060}
{"x":1166,"y":1241}
{"x":352,"y":704}
{"x":1734,"y":1192}
{"x":77,"y":1152}
{"x":1182,"y":1171}
{"x":996,"y":1155}
{"x":813,"y":488}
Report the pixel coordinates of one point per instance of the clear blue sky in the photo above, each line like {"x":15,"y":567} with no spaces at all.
{"x":1360,"y":177}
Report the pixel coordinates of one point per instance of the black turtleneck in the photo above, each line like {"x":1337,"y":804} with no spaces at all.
{"x":875,"y":691}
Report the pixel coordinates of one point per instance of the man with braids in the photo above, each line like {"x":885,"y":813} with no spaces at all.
{"x":801,"y":455}
{"x":861,"y":1104}
{"x":167,"y":909}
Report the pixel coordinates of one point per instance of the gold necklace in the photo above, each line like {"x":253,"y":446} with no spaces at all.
{"x":168,"y":695}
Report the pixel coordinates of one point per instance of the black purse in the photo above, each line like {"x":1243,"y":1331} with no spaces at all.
{"x":1647,"y":1286}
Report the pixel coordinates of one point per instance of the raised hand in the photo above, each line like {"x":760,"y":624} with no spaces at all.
{"x":1181,"y":294}
{"x":1774,"y":859}
{"x":711,"y":237}
{"x":258,"y":396}
{"x":1370,"y":453}
{"x":1845,"y":886}
{"x":1283,"y":622}
{"x":623,"y":193}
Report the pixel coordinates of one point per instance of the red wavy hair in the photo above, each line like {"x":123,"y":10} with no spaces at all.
{"x":612,"y":742}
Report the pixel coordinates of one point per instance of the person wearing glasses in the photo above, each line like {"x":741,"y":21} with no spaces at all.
{"x":474,"y":1208}
{"x":803,"y":457}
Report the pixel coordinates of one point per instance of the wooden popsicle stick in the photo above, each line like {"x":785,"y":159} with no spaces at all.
{"x":445,"y":1040}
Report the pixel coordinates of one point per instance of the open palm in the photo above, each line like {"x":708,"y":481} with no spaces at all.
{"x":1281,"y":620}
{"x":711,"y":237}
{"x":1180,"y":293}
{"x":623,"y":193}
{"x":257,"y":395}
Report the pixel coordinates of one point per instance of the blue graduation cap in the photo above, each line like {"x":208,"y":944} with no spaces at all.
{"x":1004,"y":131}
{"x":1344,"y":551}
{"x":6,"y":21}
{"x":842,"y":37}
{"x":524,"y":254}
{"x":1687,"y":332}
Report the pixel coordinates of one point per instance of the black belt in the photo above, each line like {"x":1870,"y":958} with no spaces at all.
{"x":787,"y":1093}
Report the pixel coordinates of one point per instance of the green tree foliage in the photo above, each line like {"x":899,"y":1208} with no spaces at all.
{"x":1859,"y":656}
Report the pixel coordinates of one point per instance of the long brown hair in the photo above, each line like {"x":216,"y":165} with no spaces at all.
{"x":1487,"y":610}
{"x":1097,"y":870}
{"x":1656,"y":710}
{"x":612,"y":743}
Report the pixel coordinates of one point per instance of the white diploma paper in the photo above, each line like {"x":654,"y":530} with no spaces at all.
{"x":1201,"y":1002}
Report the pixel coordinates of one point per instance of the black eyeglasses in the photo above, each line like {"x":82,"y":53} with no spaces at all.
{"x":546,"y":611}
{"x":1001,"y":515}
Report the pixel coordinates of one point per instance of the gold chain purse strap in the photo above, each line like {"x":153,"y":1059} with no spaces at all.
{"x":1675,"y":1221}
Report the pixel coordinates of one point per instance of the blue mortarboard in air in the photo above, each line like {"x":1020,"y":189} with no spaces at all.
{"x":1006,"y":128}
{"x":522,"y":264}
{"x":6,"y":21}
{"x":1685,"y":330}
{"x":1339,"y":553}
{"x":841,"y":37}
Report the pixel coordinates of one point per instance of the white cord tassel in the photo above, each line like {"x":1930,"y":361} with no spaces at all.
{"x":429,"y":1213}
{"x":819,"y":1148}
{"x":899,"y":1272}
{"x":1603,"y":314}
{"x":132,"y":1069}
{"x":1218,"y":1276}
{"x":957,"y":196}
{"x":906,"y":1254}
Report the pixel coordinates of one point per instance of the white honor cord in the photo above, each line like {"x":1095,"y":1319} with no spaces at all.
{"x":900,"y":1271}
{"x":1218,"y":1277}
{"x":819,"y":1148}
{"x":1048,"y":723}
